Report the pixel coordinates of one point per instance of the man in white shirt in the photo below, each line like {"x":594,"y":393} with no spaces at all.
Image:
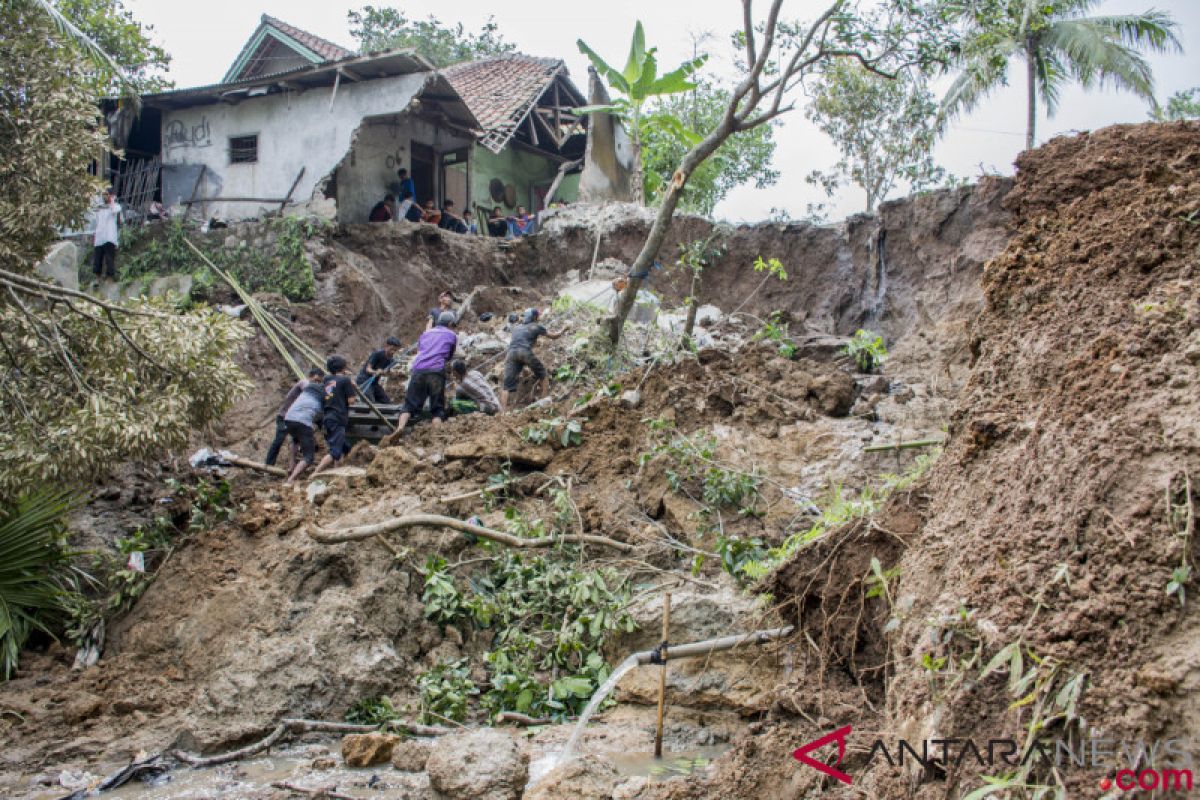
{"x":105,"y":240}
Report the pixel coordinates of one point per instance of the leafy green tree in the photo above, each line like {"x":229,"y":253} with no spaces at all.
{"x":115,"y":30}
{"x":1181,"y":105}
{"x":884,"y":128}
{"x":87,"y":383}
{"x":744,"y":158}
{"x":635,"y":84}
{"x":387,"y":28}
{"x":1058,"y":44}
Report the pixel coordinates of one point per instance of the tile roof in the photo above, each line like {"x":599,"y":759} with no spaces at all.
{"x":501,"y":91}
{"x":322,"y":47}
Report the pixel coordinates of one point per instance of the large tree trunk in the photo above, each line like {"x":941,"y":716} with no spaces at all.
{"x":1031,"y":96}
{"x":662,"y":223}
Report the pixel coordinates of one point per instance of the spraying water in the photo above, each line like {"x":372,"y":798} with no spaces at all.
{"x":601,"y":694}
{"x":541,"y":766}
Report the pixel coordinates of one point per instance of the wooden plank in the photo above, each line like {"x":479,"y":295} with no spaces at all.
{"x":192,"y":199}
{"x":337,"y":81}
{"x":292,"y":190}
{"x":533,"y":137}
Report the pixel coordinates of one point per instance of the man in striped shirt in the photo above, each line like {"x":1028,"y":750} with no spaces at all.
{"x":473,"y":386}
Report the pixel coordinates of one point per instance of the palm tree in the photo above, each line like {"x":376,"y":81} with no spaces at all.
{"x":70,"y":33}
{"x":1059,"y":44}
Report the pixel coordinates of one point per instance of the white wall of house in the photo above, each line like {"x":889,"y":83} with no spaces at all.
{"x":294,"y":129}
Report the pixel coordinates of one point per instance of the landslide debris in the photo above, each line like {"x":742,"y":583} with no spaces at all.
{"x":1055,"y":525}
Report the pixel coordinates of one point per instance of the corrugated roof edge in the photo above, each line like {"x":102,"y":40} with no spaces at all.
{"x":357,"y":58}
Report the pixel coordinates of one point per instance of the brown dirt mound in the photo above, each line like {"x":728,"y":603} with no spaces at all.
{"x":1059,"y":511}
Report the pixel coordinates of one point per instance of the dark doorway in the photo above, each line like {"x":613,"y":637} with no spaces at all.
{"x":423,"y":164}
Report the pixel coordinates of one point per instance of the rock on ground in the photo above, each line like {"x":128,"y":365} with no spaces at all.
{"x":368,"y":749}
{"x":478,"y":765}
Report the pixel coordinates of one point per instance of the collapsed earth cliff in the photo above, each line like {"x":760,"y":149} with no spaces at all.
{"x":1017,"y":585}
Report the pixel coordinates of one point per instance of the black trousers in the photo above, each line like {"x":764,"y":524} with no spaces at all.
{"x":426,"y":384}
{"x":376,"y":394}
{"x":104,"y":259}
{"x":281,"y":433}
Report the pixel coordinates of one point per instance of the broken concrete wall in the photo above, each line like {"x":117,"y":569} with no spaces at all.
{"x":608,"y":160}
{"x":383,"y":145}
{"x":294,"y":129}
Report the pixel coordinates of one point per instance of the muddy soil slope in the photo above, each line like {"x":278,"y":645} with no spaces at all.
{"x":253,"y":620}
{"x":910,"y":273}
{"x":1053,"y":525}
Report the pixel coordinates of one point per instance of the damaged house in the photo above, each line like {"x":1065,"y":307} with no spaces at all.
{"x":300,"y":121}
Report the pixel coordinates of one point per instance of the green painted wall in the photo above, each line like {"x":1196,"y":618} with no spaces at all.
{"x":522,"y":169}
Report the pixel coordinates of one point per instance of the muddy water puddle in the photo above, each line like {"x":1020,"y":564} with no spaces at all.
{"x":254,"y":779}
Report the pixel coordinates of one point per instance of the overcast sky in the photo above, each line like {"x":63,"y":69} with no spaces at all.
{"x":203,"y":39}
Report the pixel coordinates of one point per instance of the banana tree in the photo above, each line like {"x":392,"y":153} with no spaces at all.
{"x":635,"y":84}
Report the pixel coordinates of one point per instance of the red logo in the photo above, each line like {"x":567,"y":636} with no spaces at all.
{"x":801,"y":754}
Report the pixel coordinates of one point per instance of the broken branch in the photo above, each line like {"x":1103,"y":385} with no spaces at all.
{"x":337,"y":536}
{"x":297,"y":726}
{"x":330,"y":792}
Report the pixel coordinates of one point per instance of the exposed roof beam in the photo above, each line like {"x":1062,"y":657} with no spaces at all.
{"x":348,"y":73}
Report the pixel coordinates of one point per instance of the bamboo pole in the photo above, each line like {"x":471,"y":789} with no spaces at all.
{"x":274,"y":328}
{"x":662,"y":675}
{"x":878,"y":448}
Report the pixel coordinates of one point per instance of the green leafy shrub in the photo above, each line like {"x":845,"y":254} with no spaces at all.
{"x":775,"y":330}
{"x":150,"y":251}
{"x":557,"y":431}
{"x":867,"y":350}
{"x":550,"y":619}
{"x":695,"y":471}
{"x":372,"y":711}
{"x":446,"y":691}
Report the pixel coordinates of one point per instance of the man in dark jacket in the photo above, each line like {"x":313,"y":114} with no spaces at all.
{"x":520,"y":355}
{"x":374,"y":368}
{"x":339,"y":395}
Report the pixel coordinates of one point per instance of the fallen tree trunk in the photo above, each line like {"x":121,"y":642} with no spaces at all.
{"x":295,"y":726}
{"x":326,"y":536}
{"x":258,"y":466}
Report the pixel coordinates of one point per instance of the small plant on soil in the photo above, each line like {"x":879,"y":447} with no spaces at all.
{"x":867,"y":350}
{"x":446,"y":690}
{"x":694,"y":471}
{"x":558,"y":431}
{"x":1181,"y":518}
{"x":775,"y":330}
{"x":1050,"y":694}
{"x":442,"y":601}
{"x":372,"y":711}
{"x":497,"y":486}
{"x":879,"y":581}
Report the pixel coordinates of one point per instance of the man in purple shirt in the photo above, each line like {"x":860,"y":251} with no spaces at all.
{"x":281,"y":431}
{"x":428,"y":380}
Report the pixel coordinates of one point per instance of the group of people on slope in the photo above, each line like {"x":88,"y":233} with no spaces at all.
{"x":324,"y":398}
